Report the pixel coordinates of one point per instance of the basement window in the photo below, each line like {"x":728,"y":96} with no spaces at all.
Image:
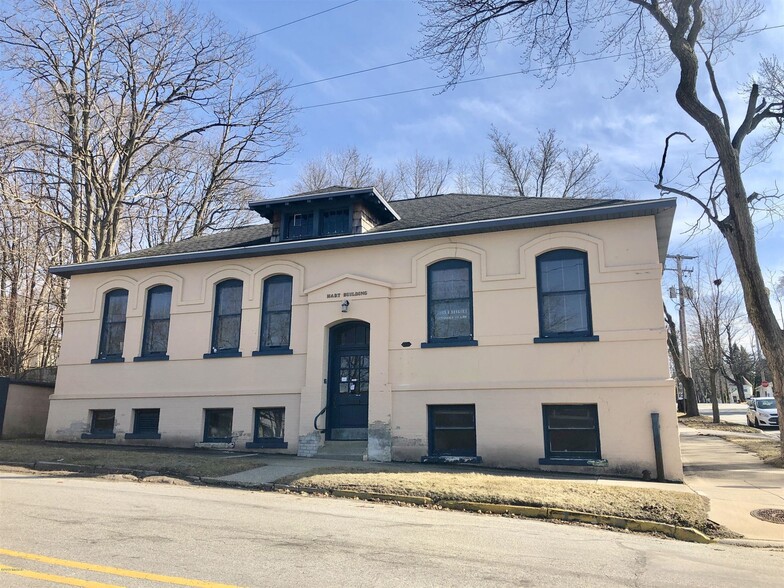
{"x":452,"y":430}
{"x":145,"y":424}
{"x":217,"y":425}
{"x":571,"y":432}
{"x":268,"y":428}
{"x":101,"y":425}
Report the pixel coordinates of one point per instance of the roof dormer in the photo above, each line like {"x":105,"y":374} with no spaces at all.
{"x":325,"y":213}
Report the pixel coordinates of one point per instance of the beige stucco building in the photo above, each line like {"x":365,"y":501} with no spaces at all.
{"x":508,"y":331}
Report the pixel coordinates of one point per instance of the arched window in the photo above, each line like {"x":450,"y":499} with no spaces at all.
{"x":563,"y":294}
{"x":449,"y":303}
{"x":227,"y":318}
{"x":113,"y":326}
{"x":156,"y":322}
{"x":276,"y":315}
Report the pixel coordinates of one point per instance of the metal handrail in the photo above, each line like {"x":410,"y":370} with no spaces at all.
{"x":315,"y":420}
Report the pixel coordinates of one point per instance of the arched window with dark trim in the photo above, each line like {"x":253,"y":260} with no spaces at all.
{"x":156,"y":322}
{"x":564,"y":295}
{"x":227,"y":318}
{"x":115,"y":306}
{"x":276,"y":314}
{"x":450,"y":303}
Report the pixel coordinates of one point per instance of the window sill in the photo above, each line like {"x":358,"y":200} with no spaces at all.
{"x":451,"y":459}
{"x":219,"y":354}
{"x":573,"y":461}
{"x":142,"y":435}
{"x":151,"y":358}
{"x":450,"y":343}
{"x":267,"y":444}
{"x":108,"y":360}
{"x":99,"y":436}
{"x":567,"y":339}
{"x":273,"y":351}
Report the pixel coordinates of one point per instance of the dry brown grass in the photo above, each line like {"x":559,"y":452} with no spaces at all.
{"x":704,"y":422}
{"x":165,"y":461}
{"x":768,"y":450}
{"x":682,"y":508}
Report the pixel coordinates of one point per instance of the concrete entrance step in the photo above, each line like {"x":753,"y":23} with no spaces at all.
{"x":347,"y":450}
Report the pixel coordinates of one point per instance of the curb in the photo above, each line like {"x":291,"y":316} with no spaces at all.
{"x":682,"y":533}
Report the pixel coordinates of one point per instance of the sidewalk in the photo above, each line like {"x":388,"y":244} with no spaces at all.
{"x":735,"y":481}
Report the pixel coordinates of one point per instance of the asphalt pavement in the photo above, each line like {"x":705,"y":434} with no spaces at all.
{"x":123,"y":533}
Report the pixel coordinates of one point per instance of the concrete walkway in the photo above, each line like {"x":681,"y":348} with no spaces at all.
{"x":735,"y":481}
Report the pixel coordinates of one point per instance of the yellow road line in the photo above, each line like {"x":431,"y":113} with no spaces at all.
{"x":55,"y":579}
{"x":114,"y":571}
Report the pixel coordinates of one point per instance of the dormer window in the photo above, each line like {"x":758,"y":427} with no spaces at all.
{"x":318,"y":223}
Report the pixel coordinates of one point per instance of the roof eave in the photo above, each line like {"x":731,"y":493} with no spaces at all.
{"x":663,"y":210}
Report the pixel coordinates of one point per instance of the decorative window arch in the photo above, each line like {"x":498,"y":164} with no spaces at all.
{"x":276,"y":315}
{"x":450,"y":315}
{"x":564,"y":297}
{"x":115,"y":306}
{"x":227,"y":318}
{"x":155,"y":340}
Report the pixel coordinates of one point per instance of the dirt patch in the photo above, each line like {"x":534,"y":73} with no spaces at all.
{"x":704,"y":422}
{"x":767,"y":449}
{"x":172,"y":462}
{"x":679,"y":508}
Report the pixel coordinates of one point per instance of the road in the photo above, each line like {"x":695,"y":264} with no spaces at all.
{"x":209,"y":537}
{"x":735,"y":413}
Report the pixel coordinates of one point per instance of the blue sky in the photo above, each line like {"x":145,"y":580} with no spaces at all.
{"x":627,"y":131}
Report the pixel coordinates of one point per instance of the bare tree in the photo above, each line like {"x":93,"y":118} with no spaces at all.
{"x":686,"y":381}
{"x":422,"y":176}
{"x":476,"y":177}
{"x":548,"y":168}
{"x":115,"y":92}
{"x":692,"y":35}
{"x":347,"y":168}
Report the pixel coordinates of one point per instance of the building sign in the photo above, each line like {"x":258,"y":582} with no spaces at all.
{"x":346,"y":294}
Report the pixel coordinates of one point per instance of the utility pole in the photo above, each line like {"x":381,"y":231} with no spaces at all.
{"x":682,"y":295}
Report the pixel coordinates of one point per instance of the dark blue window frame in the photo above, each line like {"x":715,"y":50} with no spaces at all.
{"x":466,"y":339}
{"x":271,"y":315}
{"x":440,"y":433}
{"x":277,"y":416}
{"x":213,"y":418}
{"x":101,"y":424}
{"x":112,"y":340}
{"x":317,"y":222}
{"x":155,"y":324}
{"x":219,"y":317}
{"x":547,"y":334}
{"x":145,"y":424}
{"x":570,"y":457}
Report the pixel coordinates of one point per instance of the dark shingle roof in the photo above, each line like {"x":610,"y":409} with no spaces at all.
{"x":420,"y":218}
{"x":432,"y":211}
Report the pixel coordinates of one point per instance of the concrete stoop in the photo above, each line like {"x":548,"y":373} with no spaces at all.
{"x":343,"y":450}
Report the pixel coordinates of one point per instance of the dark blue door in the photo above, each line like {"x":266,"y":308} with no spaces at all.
{"x":349,"y":379}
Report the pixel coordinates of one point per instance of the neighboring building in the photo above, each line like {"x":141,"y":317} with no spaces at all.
{"x":24,"y":406}
{"x":519,"y":332}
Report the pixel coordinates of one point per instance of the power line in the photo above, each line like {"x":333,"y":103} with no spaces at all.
{"x":439,"y":86}
{"x":303,"y":18}
{"x":413,"y":59}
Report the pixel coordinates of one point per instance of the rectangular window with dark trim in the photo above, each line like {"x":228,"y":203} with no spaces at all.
{"x":564,"y":295}
{"x":156,"y":321}
{"x":227,"y":317}
{"x":269,"y":424}
{"x":449,"y":301}
{"x":102,"y":422}
{"x":571,"y":431}
{"x":452,"y":430}
{"x":276,"y":313}
{"x":145,"y":421}
{"x":300,"y":225}
{"x":218,"y":425}
{"x":113,"y":326}
{"x":334,"y":222}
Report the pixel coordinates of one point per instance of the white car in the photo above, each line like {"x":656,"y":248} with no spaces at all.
{"x":762,"y":413}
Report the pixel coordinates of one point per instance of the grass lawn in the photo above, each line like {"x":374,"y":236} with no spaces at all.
{"x":681,"y":508}
{"x":706,"y":422}
{"x":767,"y":449}
{"x":166,"y":461}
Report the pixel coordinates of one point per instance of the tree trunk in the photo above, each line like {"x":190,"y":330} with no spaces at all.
{"x":714,"y":393}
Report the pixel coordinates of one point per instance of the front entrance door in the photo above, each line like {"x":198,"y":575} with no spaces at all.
{"x":349,"y":377}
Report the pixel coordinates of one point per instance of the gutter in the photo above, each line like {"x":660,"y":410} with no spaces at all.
{"x":663,"y":209}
